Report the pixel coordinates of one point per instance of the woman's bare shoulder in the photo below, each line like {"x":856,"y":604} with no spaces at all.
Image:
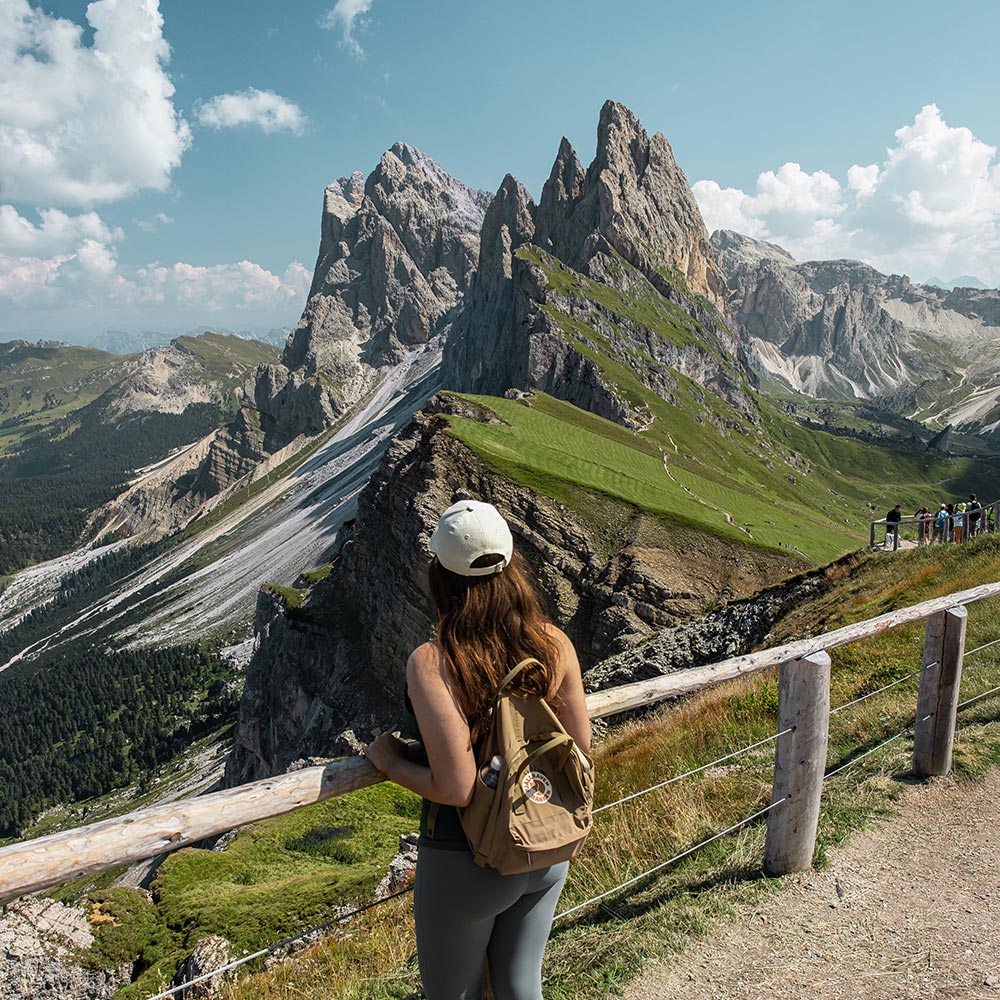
{"x":561,"y":639}
{"x":426,"y":663}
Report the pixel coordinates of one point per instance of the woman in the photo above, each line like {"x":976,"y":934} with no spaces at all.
{"x":489,"y":619}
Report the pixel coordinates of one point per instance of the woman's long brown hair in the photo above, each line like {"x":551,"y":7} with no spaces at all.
{"x":486,"y":626}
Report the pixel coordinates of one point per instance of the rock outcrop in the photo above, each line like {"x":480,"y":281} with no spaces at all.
{"x":839,"y":329}
{"x":633,"y":202}
{"x":614,"y":260}
{"x":331,"y":671}
{"x":40,"y":944}
{"x":395,"y":255}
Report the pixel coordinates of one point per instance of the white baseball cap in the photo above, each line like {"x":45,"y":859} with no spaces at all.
{"x":470,"y":529}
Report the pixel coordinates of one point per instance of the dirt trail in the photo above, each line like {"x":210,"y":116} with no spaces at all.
{"x":907,"y":909}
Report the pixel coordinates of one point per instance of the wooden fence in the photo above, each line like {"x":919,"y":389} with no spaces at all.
{"x":800,"y":756}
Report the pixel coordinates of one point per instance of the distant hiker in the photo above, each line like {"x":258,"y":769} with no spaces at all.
{"x":941,"y":521}
{"x":488,"y":621}
{"x":990,"y":514}
{"x":973,"y":512}
{"x":923,"y":517}
{"x":892,"y":520}
{"x":958,"y":520}
{"x":952,"y":515}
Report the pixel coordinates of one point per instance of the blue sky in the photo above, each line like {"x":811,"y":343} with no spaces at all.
{"x":168,"y":210}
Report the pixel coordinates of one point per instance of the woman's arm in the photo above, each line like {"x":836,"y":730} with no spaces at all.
{"x":569,"y":700}
{"x":450,"y":774}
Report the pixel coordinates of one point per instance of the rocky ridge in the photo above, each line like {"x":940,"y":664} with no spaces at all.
{"x":396,"y":252}
{"x":326,"y":674}
{"x":614,"y":258}
{"x":842,"y":330}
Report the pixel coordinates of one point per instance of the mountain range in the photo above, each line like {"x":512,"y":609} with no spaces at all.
{"x":841,"y":330}
{"x":669,"y":421}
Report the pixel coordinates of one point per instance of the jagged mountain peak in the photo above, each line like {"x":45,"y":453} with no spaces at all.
{"x":620,"y":133}
{"x":509,"y":222}
{"x":397,"y":249}
{"x":343,"y":196}
{"x":633,"y":201}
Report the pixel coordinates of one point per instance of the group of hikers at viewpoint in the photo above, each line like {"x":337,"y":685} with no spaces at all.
{"x":953,"y":522}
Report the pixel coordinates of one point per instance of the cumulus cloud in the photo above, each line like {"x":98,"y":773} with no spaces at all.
{"x":347,"y":16}
{"x":268,"y":111}
{"x":55,"y":291}
{"x":83,"y":124}
{"x":933,"y":205}
{"x":222,"y":290}
{"x":56,"y":232}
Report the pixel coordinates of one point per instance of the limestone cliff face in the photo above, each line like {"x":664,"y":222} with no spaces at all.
{"x":327,"y":673}
{"x":41,"y":942}
{"x":394,"y":256}
{"x":615,"y":259}
{"x":840,"y":329}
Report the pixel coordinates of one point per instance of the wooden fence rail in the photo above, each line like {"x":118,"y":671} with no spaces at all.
{"x":800,"y":756}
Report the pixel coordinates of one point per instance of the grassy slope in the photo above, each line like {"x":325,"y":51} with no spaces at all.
{"x":786,"y":485}
{"x":552,"y":446}
{"x":40,"y":385}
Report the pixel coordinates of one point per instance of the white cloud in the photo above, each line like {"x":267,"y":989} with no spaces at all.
{"x":57,"y":232}
{"x":154,"y":222}
{"x":54,"y":292}
{"x":222,"y":290}
{"x":933,"y":205}
{"x":268,"y":111}
{"x":347,"y":16}
{"x":80,"y":124}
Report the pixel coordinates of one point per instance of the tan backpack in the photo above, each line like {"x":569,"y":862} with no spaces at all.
{"x":539,"y":812}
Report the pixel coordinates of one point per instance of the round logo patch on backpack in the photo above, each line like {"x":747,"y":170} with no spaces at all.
{"x":536,"y":786}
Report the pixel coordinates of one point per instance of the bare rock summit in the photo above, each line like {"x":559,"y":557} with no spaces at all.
{"x":395,"y":255}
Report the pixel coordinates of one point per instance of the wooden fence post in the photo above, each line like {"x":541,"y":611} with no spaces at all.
{"x":799,"y":763}
{"x":937,"y":703}
{"x":871,"y":535}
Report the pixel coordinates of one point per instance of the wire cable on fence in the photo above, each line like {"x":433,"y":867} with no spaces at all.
{"x":669,"y":861}
{"x":696,"y":770}
{"x":876,"y":748}
{"x":280,"y":944}
{"x":979,"y":697}
{"x":985,"y":645}
{"x":871,"y":694}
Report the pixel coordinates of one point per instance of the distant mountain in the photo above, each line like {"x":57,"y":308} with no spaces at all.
{"x":75,"y":423}
{"x":839,"y":329}
{"x":962,"y":281}
{"x":121,"y":342}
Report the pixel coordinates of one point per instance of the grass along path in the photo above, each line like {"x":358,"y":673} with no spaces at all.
{"x":910,"y":908}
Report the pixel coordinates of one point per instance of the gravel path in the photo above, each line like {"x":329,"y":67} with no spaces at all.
{"x":907,"y":909}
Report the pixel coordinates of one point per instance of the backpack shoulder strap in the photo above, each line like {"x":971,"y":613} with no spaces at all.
{"x":514,"y":672}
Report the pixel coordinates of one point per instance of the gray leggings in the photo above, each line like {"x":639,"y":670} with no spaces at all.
{"x":465,"y":913}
